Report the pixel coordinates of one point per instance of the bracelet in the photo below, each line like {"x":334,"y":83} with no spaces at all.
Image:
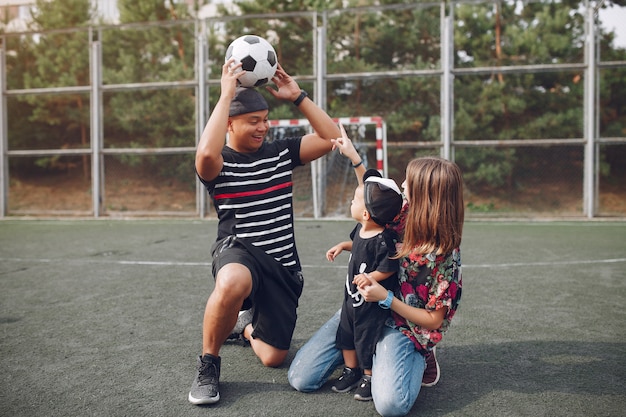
{"x":357,"y":165}
{"x":386,"y":303}
{"x":301,"y":97}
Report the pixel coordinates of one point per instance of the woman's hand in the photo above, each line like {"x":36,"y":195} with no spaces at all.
{"x":370,"y":289}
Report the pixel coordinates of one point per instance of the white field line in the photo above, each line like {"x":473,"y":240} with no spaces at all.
{"x":327,"y":266}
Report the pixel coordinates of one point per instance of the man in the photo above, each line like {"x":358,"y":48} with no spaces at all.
{"x":255,"y":261}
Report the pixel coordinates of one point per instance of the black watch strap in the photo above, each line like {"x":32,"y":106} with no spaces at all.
{"x":301,"y":97}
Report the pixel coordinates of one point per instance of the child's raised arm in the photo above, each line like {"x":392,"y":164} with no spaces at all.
{"x":347,"y":149}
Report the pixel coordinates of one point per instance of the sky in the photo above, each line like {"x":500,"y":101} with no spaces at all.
{"x":615,"y":18}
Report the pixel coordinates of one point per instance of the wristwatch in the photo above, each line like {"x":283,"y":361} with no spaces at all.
{"x":301,"y":97}
{"x":386,"y":303}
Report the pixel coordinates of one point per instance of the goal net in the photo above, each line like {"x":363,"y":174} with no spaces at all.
{"x":325,"y":189}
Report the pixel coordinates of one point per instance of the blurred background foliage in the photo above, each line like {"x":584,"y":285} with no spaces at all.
{"x":362,"y":37}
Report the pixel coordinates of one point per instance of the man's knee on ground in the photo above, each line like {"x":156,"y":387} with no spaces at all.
{"x":273,"y":359}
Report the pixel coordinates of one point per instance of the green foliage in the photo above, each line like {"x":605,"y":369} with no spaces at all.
{"x":158,"y":53}
{"x":522,"y":106}
{"x":49,"y":15}
{"x":54,"y":59}
{"x":363,"y":37}
{"x":481,"y":208}
{"x":487,"y":167}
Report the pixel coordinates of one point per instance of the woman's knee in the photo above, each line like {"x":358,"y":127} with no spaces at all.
{"x":391,"y":407}
{"x":300,"y":381}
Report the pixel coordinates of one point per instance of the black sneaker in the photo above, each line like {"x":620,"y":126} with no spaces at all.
{"x":206,"y":387}
{"x":349,"y":379}
{"x":364,"y":391}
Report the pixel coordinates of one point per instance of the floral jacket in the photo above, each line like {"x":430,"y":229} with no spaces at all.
{"x":431,"y":282}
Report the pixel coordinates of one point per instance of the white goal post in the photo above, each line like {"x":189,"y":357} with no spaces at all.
{"x":318,"y":171}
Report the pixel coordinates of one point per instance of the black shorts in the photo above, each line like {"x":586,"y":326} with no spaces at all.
{"x":360,"y":329}
{"x":275,"y":289}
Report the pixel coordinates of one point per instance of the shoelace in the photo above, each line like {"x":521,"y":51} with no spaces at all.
{"x":208,"y":374}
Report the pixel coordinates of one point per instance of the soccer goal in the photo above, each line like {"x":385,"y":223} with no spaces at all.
{"x":326,"y":189}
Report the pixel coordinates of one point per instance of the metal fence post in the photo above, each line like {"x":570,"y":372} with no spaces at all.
{"x":589,"y":114}
{"x":4,"y":139}
{"x":201,"y":107}
{"x":319,"y":62}
{"x":447,"y":48}
{"x":96,"y":127}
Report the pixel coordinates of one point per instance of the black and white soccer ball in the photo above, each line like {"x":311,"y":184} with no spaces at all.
{"x":258,"y":58}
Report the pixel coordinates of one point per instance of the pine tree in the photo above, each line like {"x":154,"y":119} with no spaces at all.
{"x":60,"y":59}
{"x":160,"y":51}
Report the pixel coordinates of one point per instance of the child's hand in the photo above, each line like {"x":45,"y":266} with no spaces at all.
{"x":360,"y":280}
{"x":332,"y":253}
{"x":372,"y":290}
{"x":345,"y":146}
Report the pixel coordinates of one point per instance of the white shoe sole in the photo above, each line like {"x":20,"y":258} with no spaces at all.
{"x":200,"y":401}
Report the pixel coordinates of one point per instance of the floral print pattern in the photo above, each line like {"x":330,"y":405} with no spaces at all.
{"x":431,"y":282}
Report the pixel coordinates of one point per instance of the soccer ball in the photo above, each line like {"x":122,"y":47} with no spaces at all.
{"x":258,"y":58}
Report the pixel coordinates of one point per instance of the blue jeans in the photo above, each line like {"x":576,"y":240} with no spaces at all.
{"x":396,"y":372}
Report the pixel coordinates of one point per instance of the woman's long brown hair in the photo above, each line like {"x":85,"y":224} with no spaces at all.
{"x":436,"y":211}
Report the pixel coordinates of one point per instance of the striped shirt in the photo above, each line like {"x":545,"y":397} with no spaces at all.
{"x":252,"y":196}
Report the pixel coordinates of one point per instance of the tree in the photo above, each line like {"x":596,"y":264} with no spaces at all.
{"x":159,"y":52}
{"x":379,"y":36}
{"x":363,"y":36}
{"x":519,"y":106}
{"x":60,"y":59}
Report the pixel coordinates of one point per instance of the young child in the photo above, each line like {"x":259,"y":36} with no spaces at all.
{"x":377,"y":201}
